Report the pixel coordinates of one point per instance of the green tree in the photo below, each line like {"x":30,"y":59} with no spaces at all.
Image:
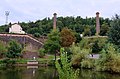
{"x":109,"y":59}
{"x":14,"y":49}
{"x":53,"y":42}
{"x":104,"y":29}
{"x":67,"y":37}
{"x":78,"y":37}
{"x":87,"y":31}
{"x":114,"y":33}
{"x":65,"y":69}
{"x":95,"y":47}
{"x":3,"y":49}
{"x":45,"y":25}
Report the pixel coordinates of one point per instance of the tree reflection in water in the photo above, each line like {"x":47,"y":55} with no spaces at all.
{"x":49,"y":73}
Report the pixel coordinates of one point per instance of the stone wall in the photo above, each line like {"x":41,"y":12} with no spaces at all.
{"x":23,"y":39}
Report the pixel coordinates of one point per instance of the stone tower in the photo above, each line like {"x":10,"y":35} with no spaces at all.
{"x":97,"y":24}
{"x":54,"y":21}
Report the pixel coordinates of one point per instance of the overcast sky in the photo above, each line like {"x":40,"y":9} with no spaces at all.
{"x":32,"y":10}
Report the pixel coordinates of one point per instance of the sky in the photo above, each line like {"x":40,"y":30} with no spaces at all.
{"x":32,"y":10}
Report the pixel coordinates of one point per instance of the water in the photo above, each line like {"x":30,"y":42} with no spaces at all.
{"x":28,"y":73}
{"x":49,"y":73}
{"x":91,"y":74}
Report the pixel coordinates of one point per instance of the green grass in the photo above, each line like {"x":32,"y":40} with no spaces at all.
{"x":48,"y":60}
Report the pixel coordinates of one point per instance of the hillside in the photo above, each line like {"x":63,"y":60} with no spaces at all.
{"x":77,"y":24}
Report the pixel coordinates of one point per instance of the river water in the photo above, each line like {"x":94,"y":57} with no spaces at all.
{"x":48,"y":73}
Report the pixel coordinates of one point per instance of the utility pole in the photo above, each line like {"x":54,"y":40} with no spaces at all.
{"x":6,"y":14}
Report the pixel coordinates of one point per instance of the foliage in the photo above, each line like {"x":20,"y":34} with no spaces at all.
{"x":87,"y":31}
{"x":37,"y":35}
{"x":79,"y":56}
{"x":78,"y":37}
{"x":4,"y":29}
{"x":95,"y":47}
{"x":64,"y":69}
{"x":67,"y":37}
{"x":114,"y":33}
{"x":94,"y":43}
{"x":44,"y":26}
{"x":7,"y":61}
{"x":53,"y":42}
{"x":88,"y":63}
{"x":3,"y":49}
{"x":104,"y":29}
{"x":41,"y":52}
{"x":14,"y":49}
{"x":109,"y":60}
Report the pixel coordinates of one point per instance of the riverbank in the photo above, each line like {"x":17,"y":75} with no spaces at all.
{"x":48,"y":60}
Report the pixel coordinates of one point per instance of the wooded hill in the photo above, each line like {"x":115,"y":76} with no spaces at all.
{"x":85,"y":26}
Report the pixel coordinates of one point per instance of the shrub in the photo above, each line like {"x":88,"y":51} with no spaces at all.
{"x":88,"y":63}
{"x":78,"y":55}
{"x":77,"y":59}
{"x":14,"y":49}
{"x":93,"y":43}
{"x":109,"y":60}
{"x":37,"y":35}
{"x":8,"y":61}
{"x":3,"y":49}
{"x":96,"y":48}
{"x":41,"y":52}
{"x":64,"y":69}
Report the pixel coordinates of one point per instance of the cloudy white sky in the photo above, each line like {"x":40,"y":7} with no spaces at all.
{"x":32,"y":10}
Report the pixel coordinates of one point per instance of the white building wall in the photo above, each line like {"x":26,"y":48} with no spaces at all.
{"x":16,"y":29}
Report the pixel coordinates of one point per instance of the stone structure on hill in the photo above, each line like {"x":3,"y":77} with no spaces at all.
{"x":97,"y":24}
{"x":54,"y":21}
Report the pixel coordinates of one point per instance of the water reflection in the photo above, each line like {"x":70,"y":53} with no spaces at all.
{"x":28,"y":73}
{"x":49,"y":73}
{"x":91,"y":74}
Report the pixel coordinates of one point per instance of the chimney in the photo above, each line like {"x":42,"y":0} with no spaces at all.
{"x":97,"y":24}
{"x":54,"y":21}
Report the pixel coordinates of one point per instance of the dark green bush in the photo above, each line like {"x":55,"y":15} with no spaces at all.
{"x":41,"y":52}
{"x":37,"y":35}
{"x":8,"y":61}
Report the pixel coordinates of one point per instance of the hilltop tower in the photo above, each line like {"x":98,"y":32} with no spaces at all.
{"x":54,"y":21}
{"x":97,"y":24}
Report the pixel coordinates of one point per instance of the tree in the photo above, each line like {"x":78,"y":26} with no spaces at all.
{"x":104,"y":29}
{"x":114,"y":33}
{"x":87,"y":31}
{"x":14,"y":49}
{"x":3,"y":49}
{"x":53,"y":42}
{"x":64,"y":68}
{"x":67,"y":37}
{"x":95,"y":47}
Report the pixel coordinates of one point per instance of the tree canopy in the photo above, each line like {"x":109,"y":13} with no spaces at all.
{"x":67,"y":37}
{"x":114,"y":33}
{"x":14,"y":49}
{"x":53,"y":42}
{"x":44,"y":26}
